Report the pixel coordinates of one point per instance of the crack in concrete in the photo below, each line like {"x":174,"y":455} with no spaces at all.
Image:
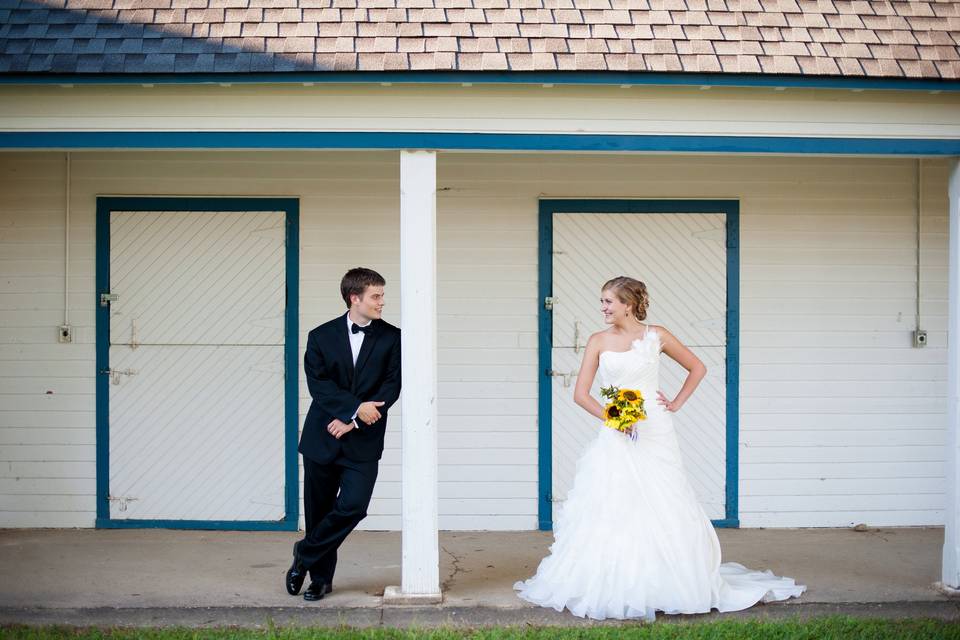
{"x":457,"y":569}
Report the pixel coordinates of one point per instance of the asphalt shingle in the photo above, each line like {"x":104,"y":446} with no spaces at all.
{"x":873,"y":38}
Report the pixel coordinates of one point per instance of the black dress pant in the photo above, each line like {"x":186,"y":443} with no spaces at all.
{"x":335,"y":499}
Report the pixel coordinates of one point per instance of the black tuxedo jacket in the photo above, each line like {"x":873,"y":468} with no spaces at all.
{"x":338,"y":387}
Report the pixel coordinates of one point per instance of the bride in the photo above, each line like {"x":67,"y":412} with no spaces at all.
{"x":632,"y":538}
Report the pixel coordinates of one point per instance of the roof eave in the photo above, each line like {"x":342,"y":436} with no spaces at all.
{"x":613,"y":78}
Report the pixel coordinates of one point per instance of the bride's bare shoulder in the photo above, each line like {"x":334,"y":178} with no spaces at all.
{"x":599,"y":339}
{"x":659,"y":329}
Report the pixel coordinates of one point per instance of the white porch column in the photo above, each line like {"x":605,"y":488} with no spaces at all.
{"x":950,"y":579}
{"x":420,"y":562}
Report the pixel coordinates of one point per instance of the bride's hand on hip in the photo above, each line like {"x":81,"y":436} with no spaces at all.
{"x":670,"y":405}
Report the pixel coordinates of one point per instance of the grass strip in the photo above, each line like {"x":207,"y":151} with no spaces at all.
{"x":828,"y":628}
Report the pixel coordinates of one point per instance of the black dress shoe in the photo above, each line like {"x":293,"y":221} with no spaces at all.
{"x":296,"y":574}
{"x":317,"y":590}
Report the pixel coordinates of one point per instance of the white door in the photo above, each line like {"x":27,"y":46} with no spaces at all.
{"x":196,"y":412}
{"x":682,"y":259}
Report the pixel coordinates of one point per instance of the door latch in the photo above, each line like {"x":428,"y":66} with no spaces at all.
{"x":116,"y":373}
{"x":107,"y":298}
{"x":560,"y":374}
{"x":548,"y":303}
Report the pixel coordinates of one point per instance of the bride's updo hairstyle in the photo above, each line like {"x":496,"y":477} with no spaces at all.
{"x":630,"y":292}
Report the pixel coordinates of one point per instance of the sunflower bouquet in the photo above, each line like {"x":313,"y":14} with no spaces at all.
{"x":624,"y":409}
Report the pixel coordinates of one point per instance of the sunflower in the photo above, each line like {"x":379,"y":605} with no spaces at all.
{"x":612,"y":412}
{"x":628,"y":395}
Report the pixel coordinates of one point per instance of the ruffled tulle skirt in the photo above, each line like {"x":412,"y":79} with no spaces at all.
{"x":632,"y":539}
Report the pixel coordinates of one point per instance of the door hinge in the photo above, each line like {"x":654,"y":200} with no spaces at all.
{"x":121,"y":501}
{"x":548,"y":303}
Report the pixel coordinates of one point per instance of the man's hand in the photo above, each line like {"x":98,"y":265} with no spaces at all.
{"x":337,"y":428}
{"x":368,"y":411}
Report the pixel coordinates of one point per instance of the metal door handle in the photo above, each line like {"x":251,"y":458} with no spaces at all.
{"x":560,"y":374}
{"x":116,"y":373}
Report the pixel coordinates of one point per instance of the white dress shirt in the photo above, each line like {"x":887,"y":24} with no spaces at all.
{"x":356,"y":341}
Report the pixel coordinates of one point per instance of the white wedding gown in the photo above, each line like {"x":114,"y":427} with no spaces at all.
{"x":632,"y":539}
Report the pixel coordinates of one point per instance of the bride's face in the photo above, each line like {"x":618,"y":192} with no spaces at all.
{"x":614,"y":311}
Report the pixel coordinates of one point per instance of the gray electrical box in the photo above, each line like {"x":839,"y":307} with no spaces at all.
{"x":919,"y":338}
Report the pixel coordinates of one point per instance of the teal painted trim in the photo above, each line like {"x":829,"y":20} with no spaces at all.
{"x":362,"y":140}
{"x":731,"y":208}
{"x":102,"y":388}
{"x":291,"y":207}
{"x":203,"y":525}
{"x":291,"y":355}
{"x":733,"y":361}
{"x":726,"y":523}
{"x":494,"y":77}
{"x":544,"y":381}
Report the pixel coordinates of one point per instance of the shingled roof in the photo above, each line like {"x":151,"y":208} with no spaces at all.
{"x":852,"y":38}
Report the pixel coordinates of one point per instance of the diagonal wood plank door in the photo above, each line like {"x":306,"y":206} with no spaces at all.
{"x":682,"y":259}
{"x":196,"y":412}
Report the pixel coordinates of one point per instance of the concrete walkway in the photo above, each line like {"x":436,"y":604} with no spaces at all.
{"x":198,"y":578}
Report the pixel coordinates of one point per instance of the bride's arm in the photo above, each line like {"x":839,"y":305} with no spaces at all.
{"x":686,"y":359}
{"x":588,"y":370}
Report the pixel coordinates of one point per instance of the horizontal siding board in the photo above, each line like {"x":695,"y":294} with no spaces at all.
{"x":60,"y":452}
{"x":843,"y":356}
{"x":20,"y":436}
{"x":878,"y":423}
{"x":843,"y":372}
{"x":32,"y":318}
{"x":47,"y":419}
{"x":762,"y":469}
{"x":845,"y":518}
{"x":876,"y":453}
{"x":40,"y":385}
{"x":770,"y":487}
{"x":467,"y":506}
{"x":854,"y":502}
{"x":877,"y":404}
{"x":45,"y":402}
{"x":489,"y":472}
{"x":892,"y":340}
{"x":907,"y":436}
{"x":49,"y":486}
{"x":34,"y":519}
{"x":457,"y":489}
{"x":60,"y":469}
{"x":853,"y":390}
{"x":487,"y":372}
{"x":46,"y":502}
{"x":461,"y":523}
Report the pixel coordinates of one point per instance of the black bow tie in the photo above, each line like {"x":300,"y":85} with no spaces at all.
{"x":355,"y":328}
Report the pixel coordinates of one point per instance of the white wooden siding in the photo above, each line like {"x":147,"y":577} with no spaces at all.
{"x":841,"y":421}
{"x":482,"y":108}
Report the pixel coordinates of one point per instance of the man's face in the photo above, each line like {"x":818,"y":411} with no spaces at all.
{"x":370,"y":305}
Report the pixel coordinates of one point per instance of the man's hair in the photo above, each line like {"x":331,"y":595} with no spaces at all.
{"x":356,"y":281}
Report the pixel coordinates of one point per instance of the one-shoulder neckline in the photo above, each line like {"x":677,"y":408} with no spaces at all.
{"x":650,"y":331}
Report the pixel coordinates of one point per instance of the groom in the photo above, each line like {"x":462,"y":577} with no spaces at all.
{"x":352,"y":366}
